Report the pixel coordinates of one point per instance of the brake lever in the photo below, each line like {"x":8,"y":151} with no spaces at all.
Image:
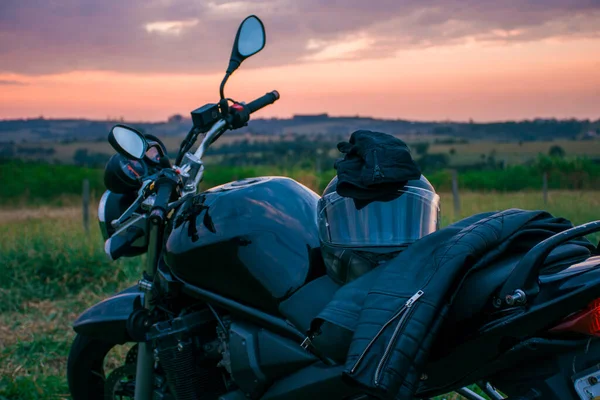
{"x":178,"y":202}
{"x":142,"y":194}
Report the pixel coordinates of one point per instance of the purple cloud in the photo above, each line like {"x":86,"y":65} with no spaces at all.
{"x":8,"y":82}
{"x":190,"y":36}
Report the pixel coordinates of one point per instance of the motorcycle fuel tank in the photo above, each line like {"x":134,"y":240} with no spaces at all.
{"x":254,"y":240}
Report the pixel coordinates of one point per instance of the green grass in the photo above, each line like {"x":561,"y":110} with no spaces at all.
{"x":50,"y":271}
{"x":34,"y":184}
{"x":50,"y":259}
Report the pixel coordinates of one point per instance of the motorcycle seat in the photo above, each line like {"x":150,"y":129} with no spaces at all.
{"x":474,"y":295}
{"x":308,"y":301}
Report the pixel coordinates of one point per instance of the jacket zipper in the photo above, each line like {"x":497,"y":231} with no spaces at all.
{"x":406,"y":305}
{"x":395,"y":335}
{"x":377,"y":169}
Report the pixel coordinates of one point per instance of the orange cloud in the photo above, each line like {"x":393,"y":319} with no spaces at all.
{"x":483,"y":81}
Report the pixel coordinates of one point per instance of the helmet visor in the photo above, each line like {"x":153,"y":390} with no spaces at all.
{"x":408,"y":217}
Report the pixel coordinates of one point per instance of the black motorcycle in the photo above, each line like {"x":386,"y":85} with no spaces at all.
{"x":234,"y":276}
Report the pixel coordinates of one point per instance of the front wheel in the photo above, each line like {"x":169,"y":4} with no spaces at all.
{"x":86,"y":371}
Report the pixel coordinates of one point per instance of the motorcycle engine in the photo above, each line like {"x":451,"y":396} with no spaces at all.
{"x":187,"y":357}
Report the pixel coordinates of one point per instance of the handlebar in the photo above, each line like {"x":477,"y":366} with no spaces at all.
{"x":237,"y":118}
{"x":168,"y":179}
{"x":262,"y":101}
{"x":166,"y":183}
{"x":239,"y":113}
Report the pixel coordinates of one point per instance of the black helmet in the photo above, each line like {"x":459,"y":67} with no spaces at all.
{"x":357,"y":235}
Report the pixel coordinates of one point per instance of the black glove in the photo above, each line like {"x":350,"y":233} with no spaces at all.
{"x":375,"y":164}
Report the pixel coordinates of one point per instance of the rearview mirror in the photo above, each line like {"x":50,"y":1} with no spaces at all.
{"x":128,"y":142}
{"x":250,"y":39}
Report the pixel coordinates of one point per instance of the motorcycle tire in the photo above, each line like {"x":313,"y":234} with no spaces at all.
{"x":85,"y":368}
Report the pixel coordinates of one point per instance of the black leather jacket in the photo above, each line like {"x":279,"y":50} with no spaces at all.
{"x":396,"y":310}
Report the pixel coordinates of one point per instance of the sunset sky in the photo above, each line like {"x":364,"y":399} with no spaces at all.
{"x":413,"y":59}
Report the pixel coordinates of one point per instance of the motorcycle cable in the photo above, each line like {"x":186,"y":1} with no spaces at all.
{"x":186,"y":144}
{"x":219,"y":320}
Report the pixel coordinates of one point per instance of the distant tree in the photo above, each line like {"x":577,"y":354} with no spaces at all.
{"x":443,"y":130}
{"x":491,"y":158}
{"x":80,"y":157}
{"x":421,"y":148}
{"x":69,"y":139}
{"x":452,"y":151}
{"x":36,"y":150}
{"x":177,"y":118}
{"x":83,"y":157}
{"x":7,"y":151}
{"x":431,"y":162}
{"x":450,"y":140}
{"x":557,"y":151}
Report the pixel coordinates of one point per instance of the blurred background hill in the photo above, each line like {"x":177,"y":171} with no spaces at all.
{"x":45,"y":160}
{"x":83,"y":142}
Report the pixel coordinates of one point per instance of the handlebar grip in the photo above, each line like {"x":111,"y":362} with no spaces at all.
{"x":263,"y":101}
{"x":163,"y":194}
{"x":118,"y":244}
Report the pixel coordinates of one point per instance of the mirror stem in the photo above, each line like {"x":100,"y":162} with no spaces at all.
{"x":223,"y":82}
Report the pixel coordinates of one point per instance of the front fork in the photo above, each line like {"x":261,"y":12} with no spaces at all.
{"x":144,"y":380}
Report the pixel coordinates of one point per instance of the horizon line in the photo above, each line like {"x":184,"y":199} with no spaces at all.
{"x":316,"y":115}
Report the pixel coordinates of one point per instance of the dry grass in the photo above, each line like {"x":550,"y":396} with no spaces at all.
{"x":513,"y":153}
{"x":577,"y":206}
{"x":24,"y":214}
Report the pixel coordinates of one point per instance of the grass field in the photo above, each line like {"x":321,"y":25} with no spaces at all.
{"x":513,"y":152}
{"x":50,"y":271}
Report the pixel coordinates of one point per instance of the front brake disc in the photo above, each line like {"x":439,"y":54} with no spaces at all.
{"x":120,"y":383}
{"x":131,"y":356}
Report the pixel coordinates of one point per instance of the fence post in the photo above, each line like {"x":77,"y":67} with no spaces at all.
{"x":318,"y":160}
{"x":545,"y":187}
{"x":86,"y":205}
{"x":455,"y":192}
